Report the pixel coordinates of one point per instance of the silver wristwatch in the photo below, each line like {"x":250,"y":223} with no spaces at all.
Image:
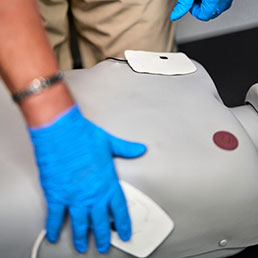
{"x":37,"y":86}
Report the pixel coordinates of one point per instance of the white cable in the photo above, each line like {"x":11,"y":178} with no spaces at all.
{"x":37,"y":243}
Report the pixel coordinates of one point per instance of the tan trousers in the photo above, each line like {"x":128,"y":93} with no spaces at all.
{"x":105,"y":28}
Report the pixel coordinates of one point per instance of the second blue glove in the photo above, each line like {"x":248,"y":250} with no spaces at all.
{"x":201,"y":9}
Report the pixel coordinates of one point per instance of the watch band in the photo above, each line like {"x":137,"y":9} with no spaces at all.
{"x":37,"y":86}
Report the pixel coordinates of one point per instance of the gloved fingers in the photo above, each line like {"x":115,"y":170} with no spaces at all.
{"x":80,"y":223}
{"x":199,"y":13}
{"x":101,"y":227}
{"x":54,"y":222}
{"x":207,"y":10}
{"x":126,"y":149}
{"x":203,"y":10}
{"x":121,"y":215}
{"x":181,"y":8}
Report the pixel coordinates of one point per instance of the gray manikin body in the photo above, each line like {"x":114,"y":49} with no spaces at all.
{"x":210,"y":193}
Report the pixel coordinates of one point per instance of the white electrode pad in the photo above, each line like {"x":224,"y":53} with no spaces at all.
{"x":159,"y":63}
{"x":150,"y":224}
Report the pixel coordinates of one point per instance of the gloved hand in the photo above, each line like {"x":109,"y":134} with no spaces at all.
{"x":77,"y":173}
{"x":201,"y":9}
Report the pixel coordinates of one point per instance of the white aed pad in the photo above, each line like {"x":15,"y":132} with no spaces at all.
{"x":159,"y":62}
{"x":150,"y":224}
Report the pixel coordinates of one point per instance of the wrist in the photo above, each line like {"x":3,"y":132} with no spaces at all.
{"x":37,"y":86}
{"x":41,"y":109}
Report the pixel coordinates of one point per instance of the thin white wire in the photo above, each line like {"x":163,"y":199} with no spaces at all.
{"x":37,"y":243}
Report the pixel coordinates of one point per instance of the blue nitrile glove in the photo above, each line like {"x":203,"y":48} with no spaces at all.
{"x":201,"y":9}
{"x":75,"y":160}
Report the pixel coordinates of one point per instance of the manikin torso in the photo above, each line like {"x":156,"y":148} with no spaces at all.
{"x":211,"y":193}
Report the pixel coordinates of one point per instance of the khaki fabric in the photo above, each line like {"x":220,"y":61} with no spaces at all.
{"x":55,"y":19}
{"x":105,"y":28}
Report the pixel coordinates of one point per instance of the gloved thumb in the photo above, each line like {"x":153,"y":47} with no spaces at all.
{"x":125,"y":149}
{"x":181,"y":8}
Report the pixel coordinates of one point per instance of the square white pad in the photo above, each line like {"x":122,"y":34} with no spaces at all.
{"x":159,"y":62}
{"x":150,"y":224}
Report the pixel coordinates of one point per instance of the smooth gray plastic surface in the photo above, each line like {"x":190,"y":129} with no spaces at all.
{"x":210,"y":193}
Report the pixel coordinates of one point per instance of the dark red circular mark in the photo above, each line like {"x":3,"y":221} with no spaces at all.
{"x":225,"y":140}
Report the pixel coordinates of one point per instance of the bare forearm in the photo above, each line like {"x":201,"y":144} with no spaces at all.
{"x":25,"y":54}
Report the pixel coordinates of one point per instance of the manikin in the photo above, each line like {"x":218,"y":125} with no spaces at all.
{"x":201,"y":166}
